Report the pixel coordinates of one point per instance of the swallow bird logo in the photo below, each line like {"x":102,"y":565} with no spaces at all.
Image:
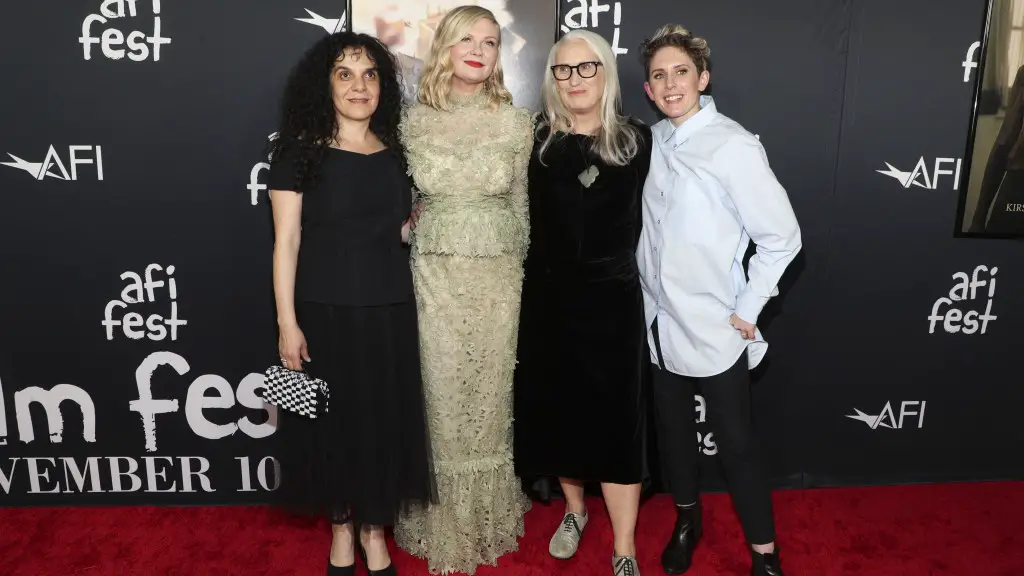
{"x":331,"y":25}
{"x":906,"y":179}
{"x":34,"y":168}
{"x":921,"y":176}
{"x":54,"y":167}
{"x":887,"y":418}
{"x":872,"y":420}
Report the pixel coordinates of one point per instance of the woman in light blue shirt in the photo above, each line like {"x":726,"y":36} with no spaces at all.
{"x":710,"y":191}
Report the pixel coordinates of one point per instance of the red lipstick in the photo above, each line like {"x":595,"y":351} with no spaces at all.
{"x":475,"y":64}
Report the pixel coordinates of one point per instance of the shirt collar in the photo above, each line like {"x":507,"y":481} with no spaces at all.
{"x":676,"y":135}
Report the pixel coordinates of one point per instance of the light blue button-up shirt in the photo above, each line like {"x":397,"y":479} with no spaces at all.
{"x":709,"y":192}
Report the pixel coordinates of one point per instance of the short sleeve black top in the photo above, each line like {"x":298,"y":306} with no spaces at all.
{"x":351,"y":251}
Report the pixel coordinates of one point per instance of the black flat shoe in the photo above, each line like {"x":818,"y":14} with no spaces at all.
{"x":766,"y":564}
{"x":678,"y":554}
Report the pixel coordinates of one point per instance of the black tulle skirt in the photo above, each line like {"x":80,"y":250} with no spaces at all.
{"x":369,"y":457}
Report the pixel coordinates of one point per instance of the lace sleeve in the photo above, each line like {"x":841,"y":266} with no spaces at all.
{"x":524,"y":124}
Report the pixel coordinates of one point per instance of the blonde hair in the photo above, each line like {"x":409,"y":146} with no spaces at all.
{"x":617,"y":141}
{"x":679,"y":37}
{"x":435,"y":81}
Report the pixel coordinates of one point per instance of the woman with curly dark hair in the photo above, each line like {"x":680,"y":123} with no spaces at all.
{"x":342,"y":202}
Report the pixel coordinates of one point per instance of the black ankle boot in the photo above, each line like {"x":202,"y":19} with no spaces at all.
{"x":766,"y":564}
{"x":678,"y":554}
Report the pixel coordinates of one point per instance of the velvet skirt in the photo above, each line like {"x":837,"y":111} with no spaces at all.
{"x":579,"y":401}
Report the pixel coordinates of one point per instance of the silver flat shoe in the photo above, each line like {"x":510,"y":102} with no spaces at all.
{"x":566,"y":539}
{"x":625,"y":566}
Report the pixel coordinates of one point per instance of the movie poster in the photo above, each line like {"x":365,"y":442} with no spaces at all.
{"x":992,"y":187}
{"x":408,"y":26}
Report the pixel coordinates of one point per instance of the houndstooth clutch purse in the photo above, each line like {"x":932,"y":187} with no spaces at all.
{"x":295,"y":391}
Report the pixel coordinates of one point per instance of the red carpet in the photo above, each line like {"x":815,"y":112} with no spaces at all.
{"x":924,"y":530}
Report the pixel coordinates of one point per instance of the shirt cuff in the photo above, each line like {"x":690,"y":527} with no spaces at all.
{"x":749,"y":306}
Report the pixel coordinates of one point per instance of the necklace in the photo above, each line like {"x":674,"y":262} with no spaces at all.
{"x":590,"y":173}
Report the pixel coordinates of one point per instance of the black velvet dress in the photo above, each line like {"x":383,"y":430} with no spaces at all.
{"x":579,"y":402}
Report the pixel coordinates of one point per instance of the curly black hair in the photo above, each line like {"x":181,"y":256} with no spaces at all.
{"x":308,"y":121}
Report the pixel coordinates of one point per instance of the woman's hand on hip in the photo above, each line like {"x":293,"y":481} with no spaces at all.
{"x":746,"y":329}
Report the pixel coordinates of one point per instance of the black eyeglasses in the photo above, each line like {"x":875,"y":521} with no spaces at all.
{"x":584,"y":69}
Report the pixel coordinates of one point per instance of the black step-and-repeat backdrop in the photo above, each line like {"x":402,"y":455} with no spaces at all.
{"x":136,"y":314}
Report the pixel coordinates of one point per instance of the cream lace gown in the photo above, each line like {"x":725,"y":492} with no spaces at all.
{"x":470,"y":166}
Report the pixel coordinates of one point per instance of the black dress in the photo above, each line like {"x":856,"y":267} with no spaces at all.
{"x":579,"y":402}
{"x":368,"y":457}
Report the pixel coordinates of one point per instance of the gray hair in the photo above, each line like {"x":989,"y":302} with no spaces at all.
{"x":617,"y":140}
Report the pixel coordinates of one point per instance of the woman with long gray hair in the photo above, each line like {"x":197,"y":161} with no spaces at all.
{"x":579,"y":405}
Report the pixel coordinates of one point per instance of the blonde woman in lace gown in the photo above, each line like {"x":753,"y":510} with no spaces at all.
{"x":469,"y":150}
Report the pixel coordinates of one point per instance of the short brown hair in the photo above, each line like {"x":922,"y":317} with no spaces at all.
{"x":679,"y":37}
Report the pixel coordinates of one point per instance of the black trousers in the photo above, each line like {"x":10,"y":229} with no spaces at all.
{"x":727,"y":404}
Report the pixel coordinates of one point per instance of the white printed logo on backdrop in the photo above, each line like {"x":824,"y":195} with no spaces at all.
{"x":120,"y":34}
{"x":705,"y":443}
{"x":925,"y":176}
{"x":204,"y":397}
{"x":51,"y":401}
{"x":157,"y":286}
{"x":255,"y":186}
{"x":958,"y":313}
{"x":970,"y":61}
{"x":53,"y":166}
{"x":587,"y":14}
{"x":331,"y":25}
{"x":142,"y":292}
{"x":910,"y":411}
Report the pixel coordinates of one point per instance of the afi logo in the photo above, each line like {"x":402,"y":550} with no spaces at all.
{"x":331,"y":25}
{"x":922,"y":177}
{"x":969,"y":62}
{"x":954,"y":319}
{"x":52,"y":161}
{"x":255,"y":187}
{"x":112,"y":40}
{"x":585,"y":15}
{"x":887,"y":418}
{"x":139,"y":291}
